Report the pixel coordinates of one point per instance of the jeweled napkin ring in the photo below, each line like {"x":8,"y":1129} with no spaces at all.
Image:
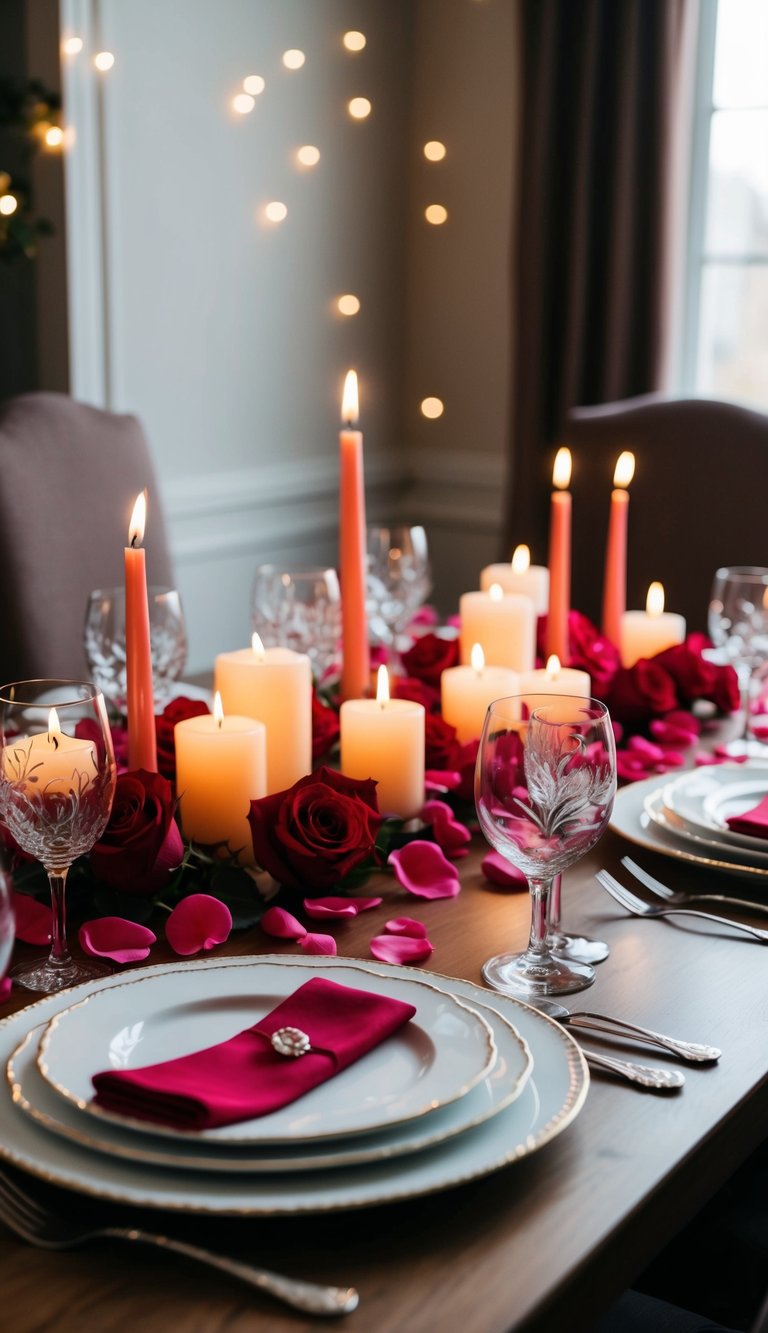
{"x":290,"y":1041}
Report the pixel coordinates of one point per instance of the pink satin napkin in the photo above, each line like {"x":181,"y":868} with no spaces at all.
{"x":247,"y":1076}
{"x":753,"y":822}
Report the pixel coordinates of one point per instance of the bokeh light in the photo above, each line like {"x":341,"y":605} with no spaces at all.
{"x":434,"y":151}
{"x":348,"y":304}
{"x":293,"y":59}
{"x":437,"y":214}
{"x":359,"y":108}
{"x":275,"y":211}
{"x":432,"y":408}
{"x":354,"y":41}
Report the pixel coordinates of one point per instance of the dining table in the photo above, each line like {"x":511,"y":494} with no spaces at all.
{"x":547,"y":1242}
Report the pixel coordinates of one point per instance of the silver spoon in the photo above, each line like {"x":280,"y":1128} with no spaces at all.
{"x":685,"y":1050}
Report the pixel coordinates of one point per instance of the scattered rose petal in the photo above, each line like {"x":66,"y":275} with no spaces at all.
{"x":199,"y":922}
{"x":499,"y":871}
{"x":114,"y":937}
{"x":450,"y":834}
{"x":6,"y":986}
{"x":439,"y":779}
{"x":33,"y":919}
{"x":422,"y":869}
{"x":406,"y":925}
{"x":400,"y":948}
{"x":311,"y":943}
{"x":276,"y":921}
{"x":318,"y":908}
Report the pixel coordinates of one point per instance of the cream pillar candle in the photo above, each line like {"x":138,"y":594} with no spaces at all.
{"x":383,"y":738}
{"x":504,"y":624}
{"x":48,"y":764}
{"x":645,"y":633}
{"x":537,"y":686}
{"x":275,"y":686}
{"x":520,"y":577}
{"x":466,"y":692}
{"x":220,"y":768}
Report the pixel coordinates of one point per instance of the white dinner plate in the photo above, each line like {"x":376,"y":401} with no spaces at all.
{"x":631,"y":820}
{"x":445,"y":1050}
{"x":706,"y":843}
{"x":698,"y":798}
{"x":498,"y":1089}
{"x":549,"y":1102}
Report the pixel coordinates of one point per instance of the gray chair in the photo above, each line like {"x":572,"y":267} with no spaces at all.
{"x":69,"y":475}
{"x":697,"y":501}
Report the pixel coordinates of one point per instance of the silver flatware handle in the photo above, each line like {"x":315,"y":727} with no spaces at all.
{"x":694,"y":1051}
{"x":309,"y":1297}
{"x":754,"y":931}
{"x":656,"y":1080}
{"x":728,"y":901}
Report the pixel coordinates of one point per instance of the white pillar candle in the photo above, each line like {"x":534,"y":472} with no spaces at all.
{"x":554,"y":679}
{"x":50,"y":763}
{"x":383,"y":738}
{"x":504,"y":624}
{"x":275,"y":686}
{"x":221,"y":767}
{"x":520,"y":577}
{"x":645,"y":633}
{"x":466,"y":692}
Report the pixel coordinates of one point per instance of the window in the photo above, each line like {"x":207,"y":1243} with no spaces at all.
{"x":726,"y":341}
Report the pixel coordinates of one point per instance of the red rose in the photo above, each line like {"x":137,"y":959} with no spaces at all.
{"x":465,"y":761}
{"x":313,"y":834}
{"x":440,"y":742}
{"x":725,"y":692}
{"x":325,"y":728}
{"x":642,"y":691}
{"x":406,"y":687}
{"x":176,"y":711}
{"x":692,"y":674}
{"x":141,"y":844}
{"x":589,"y":650}
{"x":429,"y":657}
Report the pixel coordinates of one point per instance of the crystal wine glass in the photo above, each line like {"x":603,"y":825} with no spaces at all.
{"x":6,"y":919}
{"x":299,"y":609}
{"x":738,"y":624}
{"x":544,"y":790}
{"x":57,"y":782}
{"x":398,"y":579}
{"x":104,"y":643}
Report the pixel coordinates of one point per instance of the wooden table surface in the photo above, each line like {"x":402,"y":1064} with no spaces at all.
{"x":545,"y":1244}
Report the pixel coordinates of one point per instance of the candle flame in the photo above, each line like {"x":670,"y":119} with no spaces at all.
{"x":218,"y":709}
{"x":521,"y":559}
{"x":477,"y":658}
{"x":654,"y":602}
{"x":625,"y":469}
{"x":382,"y":686}
{"x":349,"y":401}
{"x":54,"y":726}
{"x":258,"y":647}
{"x":138,"y":520}
{"x":553,"y":667}
{"x":496,"y":592}
{"x":561,"y":473}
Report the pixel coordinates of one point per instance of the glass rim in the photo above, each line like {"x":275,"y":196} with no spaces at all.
{"x":153,"y":589}
{"x":545,"y":694}
{"x":757,"y":572}
{"x":89,"y":692}
{"x":296,"y":571}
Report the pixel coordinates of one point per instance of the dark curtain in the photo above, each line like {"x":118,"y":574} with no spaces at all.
{"x":593,"y":194}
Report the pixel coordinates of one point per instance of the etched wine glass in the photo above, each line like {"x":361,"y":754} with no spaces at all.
{"x":738,"y":625}
{"x":299,"y":609}
{"x":57,"y":782}
{"x":104,"y":643}
{"x":544,"y":790}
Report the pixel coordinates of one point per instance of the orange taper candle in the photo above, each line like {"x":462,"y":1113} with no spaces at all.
{"x":142,"y":743}
{"x":559,"y":558}
{"x":355,"y":670}
{"x":615,"y":574}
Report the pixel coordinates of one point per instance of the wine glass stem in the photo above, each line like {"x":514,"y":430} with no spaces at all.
{"x":537,"y":944}
{"x":60,"y":955}
{"x":553,"y":913}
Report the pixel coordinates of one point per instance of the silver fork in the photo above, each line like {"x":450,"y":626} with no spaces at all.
{"x":683,"y":897}
{"x":39,"y":1226}
{"x":637,"y":907}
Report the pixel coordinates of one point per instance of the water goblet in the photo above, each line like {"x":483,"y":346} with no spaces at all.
{"x":57,"y":782}
{"x":104,"y":643}
{"x":299,"y":609}
{"x":738,"y":624}
{"x":544,"y":790}
{"x":398,"y":579}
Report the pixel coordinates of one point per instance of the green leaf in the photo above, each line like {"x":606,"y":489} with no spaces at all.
{"x":236,"y":888}
{"x":111,"y":902}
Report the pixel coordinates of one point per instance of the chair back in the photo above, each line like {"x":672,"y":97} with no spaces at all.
{"x":697,"y":500}
{"x":69,"y":476}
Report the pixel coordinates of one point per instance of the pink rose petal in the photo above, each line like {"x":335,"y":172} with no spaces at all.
{"x":450,"y":834}
{"x":318,"y":908}
{"x":114,"y":937}
{"x":400,"y":948}
{"x":422,"y":869}
{"x":318,"y":944}
{"x":6,"y":986}
{"x":499,"y":871}
{"x":406,"y":925}
{"x":279,"y":923}
{"x":198,"y":922}
{"x":442,"y":779}
{"x":33,"y":919}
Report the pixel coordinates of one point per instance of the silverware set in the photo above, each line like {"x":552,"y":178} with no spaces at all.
{"x":639,"y":907}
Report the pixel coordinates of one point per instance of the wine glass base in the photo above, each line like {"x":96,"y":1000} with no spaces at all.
{"x":514,"y":974}
{"x":745,"y":748}
{"x":577,"y":948}
{"x":48,"y":978}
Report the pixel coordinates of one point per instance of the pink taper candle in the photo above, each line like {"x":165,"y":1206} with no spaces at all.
{"x":559,"y":558}
{"x":142,"y":743}
{"x":615,"y":574}
{"x":355,"y":671}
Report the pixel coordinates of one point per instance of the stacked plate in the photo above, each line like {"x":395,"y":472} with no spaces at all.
{"x":473,"y":1082}
{"x":688,"y":817}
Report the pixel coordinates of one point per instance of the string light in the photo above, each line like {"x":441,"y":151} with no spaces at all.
{"x":354,"y":41}
{"x":348,"y":305}
{"x":8,"y":204}
{"x":359,"y":108}
{"x":436,"y":214}
{"x":432,"y":408}
{"x":293,"y":59}
{"x":242,"y":103}
{"x":308,"y":155}
{"x":434,"y":151}
{"x":104,"y":60}
{"x":275,"y":211}
{"x":254,"y":84}
{"x":72,"y":46}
